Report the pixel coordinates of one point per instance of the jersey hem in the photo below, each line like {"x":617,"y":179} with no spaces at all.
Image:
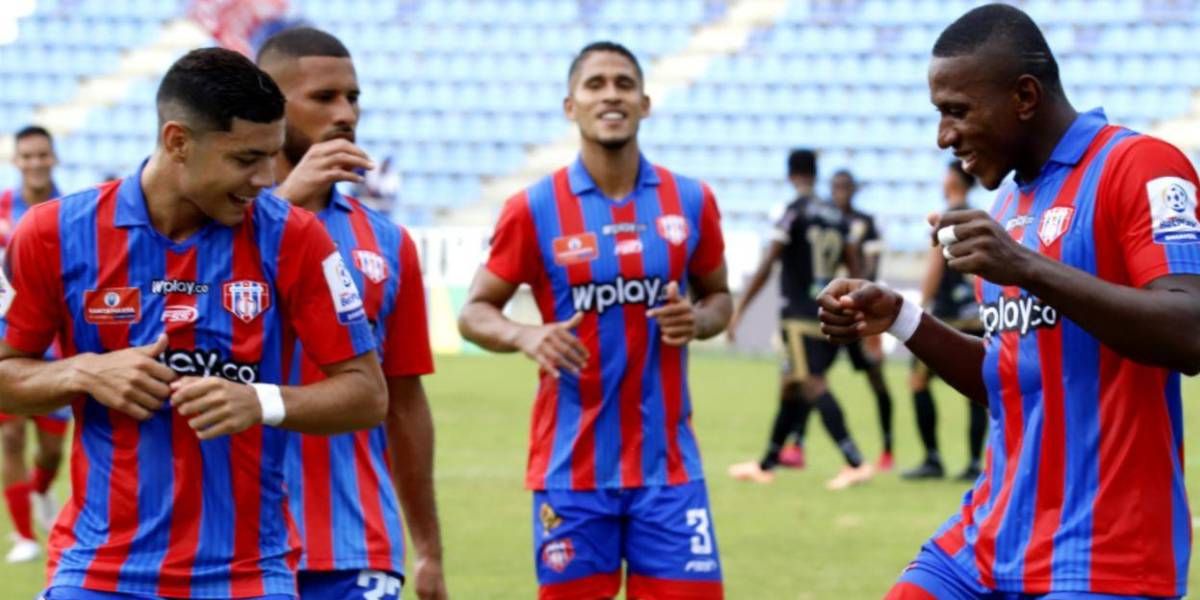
{"x":529,"y":486}
{"x":1118,"y":587}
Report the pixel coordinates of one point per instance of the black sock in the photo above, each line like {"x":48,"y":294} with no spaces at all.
{"x":978,"y":428}
{"x":800,"y":425}
{"x":884,"y":401}
{"x":835,"y":423}
{"x":926,"y":421}
{"x":785,"y":421}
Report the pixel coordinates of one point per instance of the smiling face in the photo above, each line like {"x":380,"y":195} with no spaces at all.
{"x":221,"y":172}
{"x":34,"y":158}
{"x":982,"y":119}
{"x":606,"y":100}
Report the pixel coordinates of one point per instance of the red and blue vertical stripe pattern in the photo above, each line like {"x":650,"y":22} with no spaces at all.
{"x":1083,"y":486}
{"x":153,"y":510}
{"x":340,"y":486}
{"x":625,"y":421}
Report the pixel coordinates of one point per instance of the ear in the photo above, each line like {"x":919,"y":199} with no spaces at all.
{"x":176,"y":140}
{"x":569,"y":107}
{"x":1027,"y":96}
{"x":645,"y":105}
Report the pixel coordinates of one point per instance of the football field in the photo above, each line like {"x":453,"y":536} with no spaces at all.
{"x":789,"y":540}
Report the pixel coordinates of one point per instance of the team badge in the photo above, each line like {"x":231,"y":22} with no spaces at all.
{"x":550,"y":519}
{"x":1055,"y":222}
{"x":673,"y":228}
{"x":1173,"y":210}
{"x":247,"y":299}
{"x":112,"y":306}
{"x":575,"y":249}
{"x":558,"y":554}
{"x":372,"y":265}
{"x":346,"y":301}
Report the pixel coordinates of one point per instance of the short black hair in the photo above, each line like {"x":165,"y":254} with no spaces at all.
{"x":210,"y":87}
{"x":1010,"y":31}
{"x":32,"y":130}
{"x":803,"y":162}
{"x":847,"y":174}
{"x":604,"y":46}
{"x":956,"y":167}
{"x":299,"y":42}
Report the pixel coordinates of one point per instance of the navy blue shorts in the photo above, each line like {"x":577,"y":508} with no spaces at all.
{"x":351,"y":584}
{"x":935,"y":576}
{"x":664,"y":534}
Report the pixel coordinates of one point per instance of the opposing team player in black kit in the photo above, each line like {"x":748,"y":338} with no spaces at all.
{"x":950,"y":296}
{"x":810,"y":242}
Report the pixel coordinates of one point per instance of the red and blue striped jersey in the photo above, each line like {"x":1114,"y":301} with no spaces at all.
{"x":153,"y":510}
{"x":340,"y":487}
{"x":625,"y":421}
{"x":12,"y":208}
{"x":1083,"y":485}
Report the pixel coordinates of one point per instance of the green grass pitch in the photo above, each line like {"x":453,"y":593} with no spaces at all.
{"x":789,"y":540}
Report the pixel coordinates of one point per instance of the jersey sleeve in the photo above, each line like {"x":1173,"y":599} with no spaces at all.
{"x":710,"y":251}
{"x":1148,"y":199}
{"x":514,"y":255}
{"x":319,"y":295}
{"x":406,"y":349}
{"x":31,"y":290}
{"x":782,"y":231}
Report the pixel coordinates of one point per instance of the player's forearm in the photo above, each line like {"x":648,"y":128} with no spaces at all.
{"x":933,"y":275}
{"x":349,"y":400}
{"x":955,"y":356}
{"x":1158,"y":325}
{"x":31,"y":386}
{"x":486,"y":326}
{"x":411,"y":444}
{"x":712,"y":314}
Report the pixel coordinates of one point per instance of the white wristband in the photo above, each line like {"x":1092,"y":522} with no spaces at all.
{"x":271,"y":400}
{"x":906,"y":322}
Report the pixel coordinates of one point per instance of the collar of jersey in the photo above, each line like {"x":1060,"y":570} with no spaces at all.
{"x":18,"y":197}
{"x":1074,"y":142}
{"x":131,"y":210}
{"x":582,"y":182}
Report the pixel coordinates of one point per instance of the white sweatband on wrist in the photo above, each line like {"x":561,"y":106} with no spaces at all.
{"x":271,"y":401}
{"x":906,"y":322}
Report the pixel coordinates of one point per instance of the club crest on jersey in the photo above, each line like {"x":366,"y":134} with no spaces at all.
{"x":673,"y":228}
{"x":575,"y":249}
{"x":1173,"y":210}
{"x":247,"y":299}
{"x":558,"y":554}
{"x":112,"y":306}
{"x":1055,"y":222}
{"x":372,"y":265}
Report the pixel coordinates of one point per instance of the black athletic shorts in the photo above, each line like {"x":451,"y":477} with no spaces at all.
{"x":807,"y":352}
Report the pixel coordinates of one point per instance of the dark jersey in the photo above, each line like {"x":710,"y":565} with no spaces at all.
{"x":863,"y":234}
{"x":955,"y":296}
{"x":813,"y":234}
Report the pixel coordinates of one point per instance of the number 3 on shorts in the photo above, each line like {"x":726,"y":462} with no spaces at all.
{"x":379,"y":585}
{"x":697,"y":519}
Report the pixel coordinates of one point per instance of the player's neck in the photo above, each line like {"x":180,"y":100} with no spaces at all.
{"x":1052,"y":125}
{"x":170,"y":213}
{"x":33,"y":195}
{"x":614,"y":171}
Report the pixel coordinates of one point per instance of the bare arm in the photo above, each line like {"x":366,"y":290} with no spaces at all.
{"x":714,"y":303}
{"x":934,"y":267}
{"x":410,"y":444}
{"x":760,"y":277}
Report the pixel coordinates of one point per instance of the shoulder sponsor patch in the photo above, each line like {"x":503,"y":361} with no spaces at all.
{"x":673,"y":228}
{"x":346,"y":300}
{"x":112,"y":306}
{"x":1173,"y":210}
{"x":246,"y":299}
{"x":7,"y":292}
{"x":1055,"y":222}
{"x":575,"y":249}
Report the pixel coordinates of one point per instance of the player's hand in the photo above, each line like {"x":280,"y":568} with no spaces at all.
{"x":325,"y":164}
{"x":428,"y":580}
{"x":216,"y":406}
{"x":851,"y":309}
{"x":553,"y":347}
{"x":676,"y":317}
{"x":131,"y":381}
{"x":975,"y":243}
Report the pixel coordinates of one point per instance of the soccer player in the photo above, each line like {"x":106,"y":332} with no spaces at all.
{"x":344,"y":481}
{"x":809,"y":240}
{"x":950,"y":296}
{"x":27,"y":492}
{"x":864,"y":241}
{"x":1087,"y":280}
{"x":626,"y":263}
{"x":177,"y":293}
